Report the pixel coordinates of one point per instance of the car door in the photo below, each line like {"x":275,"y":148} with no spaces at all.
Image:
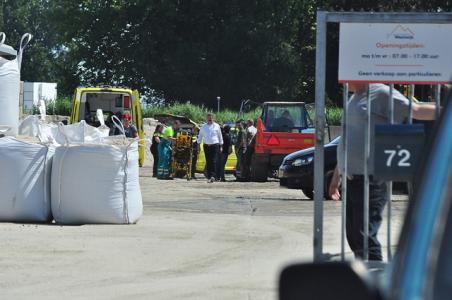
{"x":421,"y":264}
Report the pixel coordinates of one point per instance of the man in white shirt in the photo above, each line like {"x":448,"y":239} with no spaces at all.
{"x":210,"y":135}
{"x":250,"y":131}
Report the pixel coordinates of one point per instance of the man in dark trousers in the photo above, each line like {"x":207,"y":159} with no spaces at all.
{"x":210,"y":135}
{"x":223,"y":155}
{"x":239,"y":147}
{"x":356,"y":128}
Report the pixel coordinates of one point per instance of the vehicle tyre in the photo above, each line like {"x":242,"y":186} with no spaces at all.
{"x":308,"y":193}
{"x":258,"y":171}
{"x":293,"y":183}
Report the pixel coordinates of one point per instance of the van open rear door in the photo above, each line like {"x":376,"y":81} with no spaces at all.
{"x":138,"y":120}
{"x":75,"y":107}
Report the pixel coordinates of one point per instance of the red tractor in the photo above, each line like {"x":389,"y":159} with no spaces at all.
{"x":284,"y":127}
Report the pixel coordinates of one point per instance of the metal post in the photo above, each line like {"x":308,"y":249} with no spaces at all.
{"x":437,"y":100}
{"x":218,"y":104}
{"x":320,"y":70}
{"x":366,"y":180}
{"x":389,"y":185}
{"x":410,"y":108}
{"x":344,"y":171}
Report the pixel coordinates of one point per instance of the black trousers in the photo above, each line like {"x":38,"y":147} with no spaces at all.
{"x":355,"y":216}
{"x":194,"y":160}
{"x":156,"y":163}
{"x":246,"y":162}
{"x":211,"y":153}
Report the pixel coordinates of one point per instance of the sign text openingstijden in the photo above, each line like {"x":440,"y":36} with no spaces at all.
{"x":395,"y":53}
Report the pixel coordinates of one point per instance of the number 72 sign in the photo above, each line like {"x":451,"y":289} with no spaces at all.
{"x":397,"y":151}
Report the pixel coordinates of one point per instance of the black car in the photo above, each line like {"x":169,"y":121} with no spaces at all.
{"x":297,"y":169}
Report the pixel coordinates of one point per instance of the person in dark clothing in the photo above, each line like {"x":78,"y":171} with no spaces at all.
{"x":129,"y":130}
{"x":195,"y":153}
{"x":239,"y":147}
{"x":250,"y":142}
{"x":154,"y":148}
{"x":222,"y":158}
{"x":284,"y":122}
{"x":357,"y":121}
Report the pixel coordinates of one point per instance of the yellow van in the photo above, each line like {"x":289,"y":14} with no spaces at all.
{"x":112,"y":101}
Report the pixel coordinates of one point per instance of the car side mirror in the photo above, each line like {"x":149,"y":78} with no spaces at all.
{"x":327,"y":280}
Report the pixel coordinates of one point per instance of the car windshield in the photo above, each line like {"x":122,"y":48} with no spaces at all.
{"x":285,"y":117}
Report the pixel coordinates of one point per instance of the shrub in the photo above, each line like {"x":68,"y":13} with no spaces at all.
{"x":61,"y":106}
{"x":197,"y":113}
{"x":333,"y":114}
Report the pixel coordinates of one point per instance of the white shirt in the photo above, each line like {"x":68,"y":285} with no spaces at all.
{"x":210,"y":134}
{"x":251,"y":130}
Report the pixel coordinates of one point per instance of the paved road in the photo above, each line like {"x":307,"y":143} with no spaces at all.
{"x":195,"y":241}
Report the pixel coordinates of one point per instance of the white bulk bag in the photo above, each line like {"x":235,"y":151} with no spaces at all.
{"x":51,"y":133}
{"x":10,"y":88}
{"x":96,"y":183}
{"x":80,"y":133}
{"x":24,"y":180}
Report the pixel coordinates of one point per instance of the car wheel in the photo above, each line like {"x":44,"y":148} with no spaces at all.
{"x":283,"y":181}
{"x":308,"y":193}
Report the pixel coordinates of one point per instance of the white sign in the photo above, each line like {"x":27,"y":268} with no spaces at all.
{"x":395,"y":53}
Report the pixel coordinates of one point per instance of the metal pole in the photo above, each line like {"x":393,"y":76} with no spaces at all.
{"x":344,"y":171}
{"x":389,"y":185}
{"x":320,"y":70}
{"x":366,"y":180}
{"x":410,"y":107}
{"x":437,"y":100}
{"x":218,"y":104}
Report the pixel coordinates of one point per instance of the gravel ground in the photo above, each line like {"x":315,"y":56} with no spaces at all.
{"x":196,"y":240}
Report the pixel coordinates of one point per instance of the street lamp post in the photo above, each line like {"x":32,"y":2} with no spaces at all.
{"x":218,"y":104}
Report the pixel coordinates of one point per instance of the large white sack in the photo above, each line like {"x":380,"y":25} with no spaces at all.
{"x":10,"y":89}
{"x":80,"y":133}
{"x":96,"y":183}
{"x":64,"y":134}
{"x":36,"y":127}
{"x":24,"y":181}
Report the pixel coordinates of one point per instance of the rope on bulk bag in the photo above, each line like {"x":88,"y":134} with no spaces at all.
{"x":60,"y":169}
{"x":118,"y":124}
{"x":4,"y":128}
{"x":26,"y":38}
{"x":124,"y":185}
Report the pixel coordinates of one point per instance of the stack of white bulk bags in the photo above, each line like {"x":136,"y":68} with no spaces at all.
{"x":10,"y":89}
{"x":96,"y":182}
{"x":25,"y":166}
